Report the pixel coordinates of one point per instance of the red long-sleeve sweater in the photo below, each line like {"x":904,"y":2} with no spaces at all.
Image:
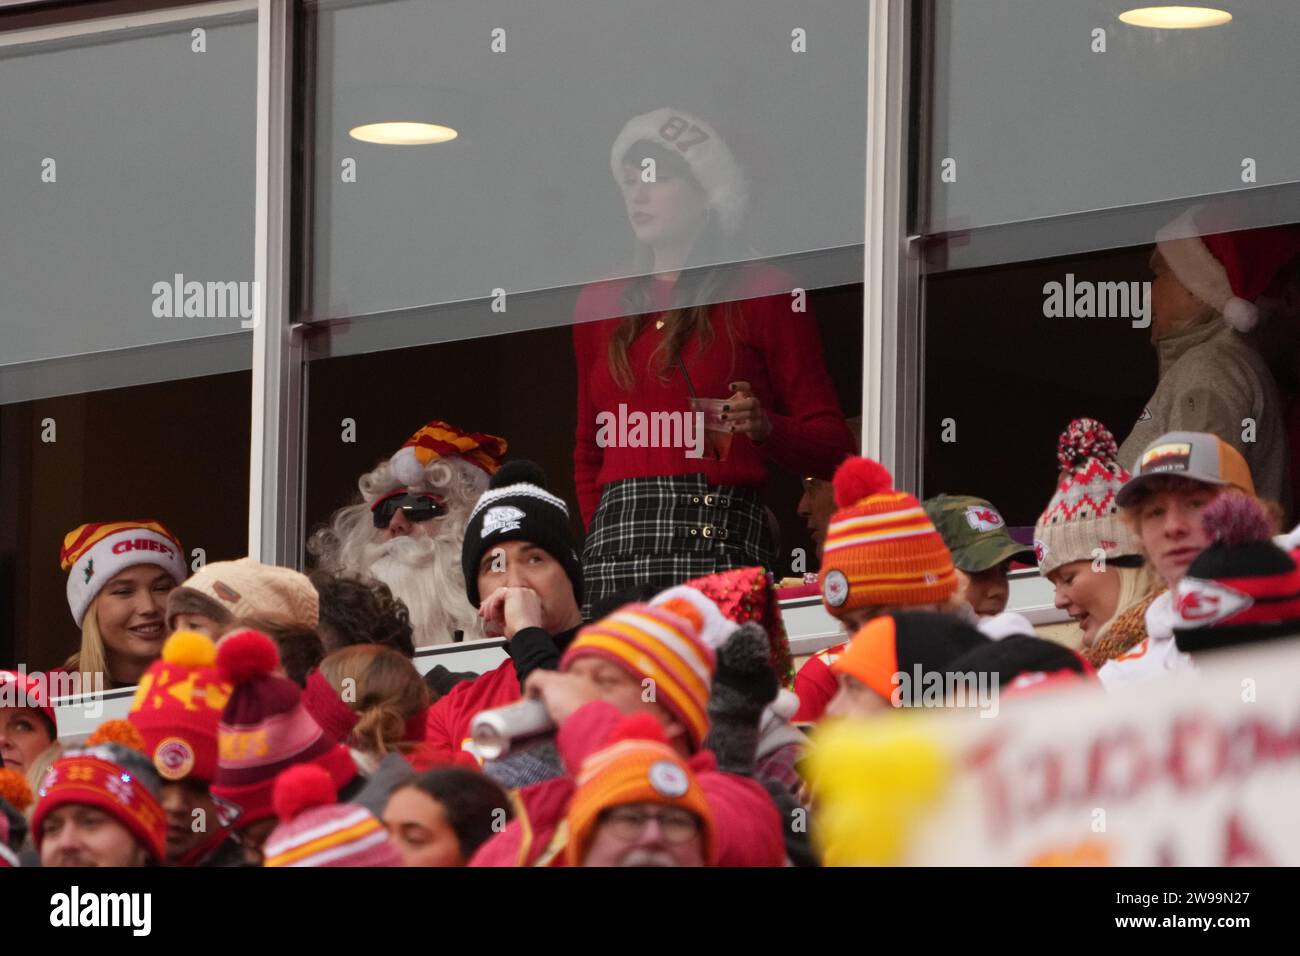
{"x":777,"y":350}
{"x":747,"y":827}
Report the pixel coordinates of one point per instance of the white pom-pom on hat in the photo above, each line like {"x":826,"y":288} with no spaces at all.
{"x":1240,"y":314}
{"x":716,"y":628}
{"x":406,"y":467}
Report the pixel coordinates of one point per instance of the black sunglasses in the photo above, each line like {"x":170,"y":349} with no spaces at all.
{"x":417,"y":508}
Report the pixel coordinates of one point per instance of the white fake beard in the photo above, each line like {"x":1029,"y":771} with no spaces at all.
{"x":424,"y":573}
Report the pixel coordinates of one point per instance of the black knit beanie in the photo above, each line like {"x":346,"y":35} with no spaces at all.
{"x":517,"y":507}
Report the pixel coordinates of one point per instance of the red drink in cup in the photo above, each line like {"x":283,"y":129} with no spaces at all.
{"x":717,"y":433}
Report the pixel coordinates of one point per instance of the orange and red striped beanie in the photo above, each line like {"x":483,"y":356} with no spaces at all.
{"x":660,"y":644}
{"x":881,"y":548}
{"x":438,"y":440}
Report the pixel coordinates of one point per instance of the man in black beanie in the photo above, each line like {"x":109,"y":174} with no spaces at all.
{"x":523,"y":573}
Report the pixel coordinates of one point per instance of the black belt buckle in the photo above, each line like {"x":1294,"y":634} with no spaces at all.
{"x":713,"y":531}
{"x":716,"y":501}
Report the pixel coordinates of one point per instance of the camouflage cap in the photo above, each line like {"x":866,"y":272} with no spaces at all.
{"x":974,"y":532}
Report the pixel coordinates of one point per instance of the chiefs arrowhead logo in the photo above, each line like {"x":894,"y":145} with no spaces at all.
{"x":1201,"y":603}
{"x":984,"y":519}
{"x":1040,"y":550}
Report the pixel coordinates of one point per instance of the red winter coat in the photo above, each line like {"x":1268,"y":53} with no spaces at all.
{"x":747,"y":827}
{"x":446,"y":737}
{"x":815,"y":684}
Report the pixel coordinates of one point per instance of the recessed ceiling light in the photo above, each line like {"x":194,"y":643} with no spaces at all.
{"x":403,"y":133}
{"x":1175,"y":18}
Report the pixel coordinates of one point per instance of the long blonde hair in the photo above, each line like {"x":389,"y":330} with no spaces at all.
{"x":92,"y":658}
{"x":1135,"y":586}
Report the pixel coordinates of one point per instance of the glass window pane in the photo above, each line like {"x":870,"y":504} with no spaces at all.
{"x":1049,"y":108}
{"x":767,"y":105}
{"x":126,"y":218}
{"x":126,"y":258}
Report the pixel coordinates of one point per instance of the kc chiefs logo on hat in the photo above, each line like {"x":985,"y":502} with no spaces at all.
{"x":836,"y":588}
{"x":983,"y":519}
{"x":174,"y":758}
{"x":1201,"y":602}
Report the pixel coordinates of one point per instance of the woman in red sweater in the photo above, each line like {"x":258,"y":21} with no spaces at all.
{"x":656,"y":511}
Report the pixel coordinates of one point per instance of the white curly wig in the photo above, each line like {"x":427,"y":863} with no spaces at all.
{"x":422,"y":570}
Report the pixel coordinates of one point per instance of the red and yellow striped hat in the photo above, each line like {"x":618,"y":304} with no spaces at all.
{"x":441,"y":440}
{"x":881,"y":548}
{"x":93,"y":553}
{"x":660,"y":644}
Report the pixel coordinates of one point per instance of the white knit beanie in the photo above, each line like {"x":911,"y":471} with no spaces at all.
{"x":698,"y":143}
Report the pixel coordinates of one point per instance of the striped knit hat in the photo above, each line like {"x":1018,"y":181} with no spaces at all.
{"x":315,"y":830}
{"x":660,"y":644}
{"x":1083,"y":515}
{"x":112,"y":778}
{"x":93,"y":553}
{"x":177,"y":708}
{"x":636,"y":766}
{"x":438,"y":440}
{"x":881,"y":547}
{"x":265,"y":729}
{"x":1243,"y":588}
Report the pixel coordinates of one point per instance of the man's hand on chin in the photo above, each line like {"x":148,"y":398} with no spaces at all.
{"x":508,"y":611}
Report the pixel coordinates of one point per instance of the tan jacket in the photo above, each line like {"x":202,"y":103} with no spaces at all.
{"x":1211,"y":380}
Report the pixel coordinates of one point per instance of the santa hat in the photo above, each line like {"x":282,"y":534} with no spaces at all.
{"x":439,"y":440}
{"x":704,"y":151}
{"x":111,"y":778}
{"x":21,"y":689}
{"x":178,"y":706}
{"x":1227,"y":270}
{"x":93,"y":553}
{"x":881,"y":547}
{"x":636,"y":765}
{"x":315,"y":830}
{"x":1083,"y":515}
{"x":654,"y":643}
{"x":1243,"y":588}
{"x":265,"y":729}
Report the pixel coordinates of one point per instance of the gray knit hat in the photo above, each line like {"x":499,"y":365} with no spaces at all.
{"x":1083,"y":515}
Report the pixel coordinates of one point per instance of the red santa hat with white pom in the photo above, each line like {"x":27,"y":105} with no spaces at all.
{"x":1228,"y":271}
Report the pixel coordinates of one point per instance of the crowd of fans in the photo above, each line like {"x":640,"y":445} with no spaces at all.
{"x":652,"y":712}
{"x":284,"y":723}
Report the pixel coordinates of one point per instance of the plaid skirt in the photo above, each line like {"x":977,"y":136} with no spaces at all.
{"x":666,"y":530}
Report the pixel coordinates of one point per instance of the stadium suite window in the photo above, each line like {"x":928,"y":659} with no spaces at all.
{"x":521,"y":386}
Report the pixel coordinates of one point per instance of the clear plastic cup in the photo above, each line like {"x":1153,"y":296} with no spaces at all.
{"x":717,"y":433}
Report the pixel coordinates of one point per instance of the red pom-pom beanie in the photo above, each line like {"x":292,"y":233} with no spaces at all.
{"x":881,"y":547}
{"x":265,"y":729}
